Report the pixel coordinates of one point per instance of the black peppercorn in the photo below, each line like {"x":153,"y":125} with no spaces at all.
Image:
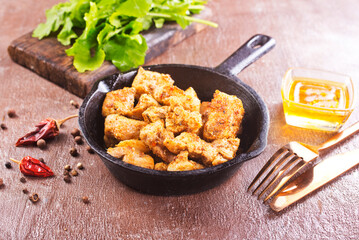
{"x":85,"y":200}
{"x":75,"y":104}
{"x":23,"y":180}
{"x":80,"y":166}
{"x":25,"y":191}
{"x":78,"y":140}
{"x":42,"y":160}
{"x":74,"y":172}
{"x":8,"y":165}
{"x":11,"y":113}
{"x":73,"y":152}
{"x":3,"y":126}
{"x":34,"y":198}
{"x":41,"y":143}
{"x":90,"y":150}
{"x":75,"y":132}
{"x":67,"y":178}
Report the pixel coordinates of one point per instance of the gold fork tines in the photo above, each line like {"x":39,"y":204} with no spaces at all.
{"x":289,"y":160}
{"x":282,"y":160}
{"x":268,"y":164}
{"x":287,"y":176}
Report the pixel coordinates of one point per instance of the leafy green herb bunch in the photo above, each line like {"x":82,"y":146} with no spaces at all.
{"x":111,"y":29}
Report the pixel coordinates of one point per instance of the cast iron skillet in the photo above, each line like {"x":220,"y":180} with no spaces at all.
{"x":205,"y":81}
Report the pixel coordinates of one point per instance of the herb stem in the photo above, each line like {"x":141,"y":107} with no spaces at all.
{"x":191,"y":19}
{"x":196,"y":7}
{"x":209,"y":23}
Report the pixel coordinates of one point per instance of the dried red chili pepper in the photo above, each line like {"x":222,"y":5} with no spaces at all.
{"x":32,"y":167}
{"x":45,"y":129}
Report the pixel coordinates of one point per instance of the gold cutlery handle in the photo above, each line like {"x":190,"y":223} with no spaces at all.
{"x":341,"y":136}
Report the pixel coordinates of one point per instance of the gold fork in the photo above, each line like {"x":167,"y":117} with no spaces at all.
{"x":295,"y":154}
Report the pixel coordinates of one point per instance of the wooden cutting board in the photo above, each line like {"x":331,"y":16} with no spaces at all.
{"x":48,"y":59}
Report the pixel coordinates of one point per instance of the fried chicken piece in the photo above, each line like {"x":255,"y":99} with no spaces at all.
{"x":190,"y":102}
{"x":153,"y":136}
{"x":227,"y":147}
{"x":122,"y":128}
{"x":180,"y":120}
{"x":196,"y":147}
{"x":144,"y":102}
{"x":147,"y":81}
{"x":110,"y":141}
{"x":182,"y":163}
{"x":219,"y":160}
{"x":171,"y":95}
{"x":152,"y":114}
{"x":119,"y":101}
{"x":224,"y":117}
{"x":133,"y":152}
{"x":204,"y":110}
{"x":127,"y":146}
{"x":161,"y":166}
{"x":139,"y":159}
{"x":163,"y":93}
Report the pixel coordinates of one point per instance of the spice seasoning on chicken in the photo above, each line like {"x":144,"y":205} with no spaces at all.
{"x":32,"y":167}
{"x":46,"y":129}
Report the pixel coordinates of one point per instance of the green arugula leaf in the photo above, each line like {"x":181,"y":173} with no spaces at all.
{"x":55,"y":18}
{"x":87,"y":54}
{"x":133,"y":28}
{"x":134,"y":8}
{"x":106,"y":33}
{"x":146,"y":22}
{"x":126,"y":52}
{"x":66,"y":34}
{"x":159,"y":22}
{"x":78,"y":11}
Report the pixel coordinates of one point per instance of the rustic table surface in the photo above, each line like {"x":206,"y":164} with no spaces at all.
{"x":314,"y":34}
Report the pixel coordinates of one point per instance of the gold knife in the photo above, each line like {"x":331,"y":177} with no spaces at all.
{"x":312,"y":179}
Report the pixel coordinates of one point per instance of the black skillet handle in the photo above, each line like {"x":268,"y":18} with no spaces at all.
{"x":254,"y":48}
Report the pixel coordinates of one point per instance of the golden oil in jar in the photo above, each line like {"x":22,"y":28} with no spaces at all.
{"x":316,"y":103}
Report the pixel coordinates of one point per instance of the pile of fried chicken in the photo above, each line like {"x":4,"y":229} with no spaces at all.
{"x":169,"y":129}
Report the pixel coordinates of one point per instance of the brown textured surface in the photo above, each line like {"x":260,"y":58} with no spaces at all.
{"x":315,"y":34}
{"x":48,"y":58}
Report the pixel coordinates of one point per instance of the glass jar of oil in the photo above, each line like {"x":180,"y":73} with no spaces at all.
{"x":317,"y":99}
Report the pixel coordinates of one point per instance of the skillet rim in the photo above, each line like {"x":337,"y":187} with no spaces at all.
{"x":263,"y":134}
